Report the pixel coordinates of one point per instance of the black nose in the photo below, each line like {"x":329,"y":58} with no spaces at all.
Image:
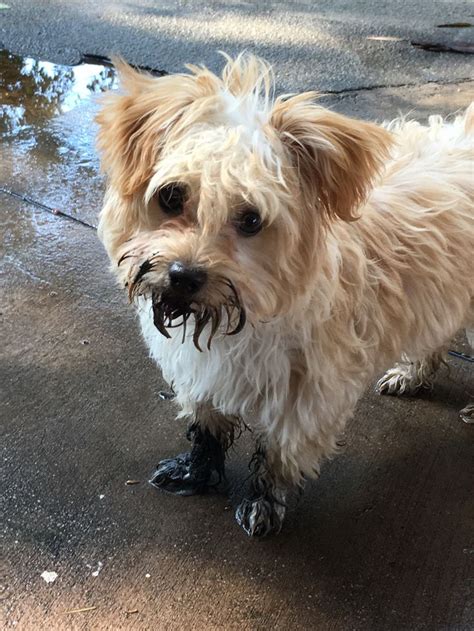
{"x":186,"y":280}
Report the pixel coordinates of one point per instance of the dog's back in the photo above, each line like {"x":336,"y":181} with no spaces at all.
{"x":442,"y":143}
{"x":419,"y":224}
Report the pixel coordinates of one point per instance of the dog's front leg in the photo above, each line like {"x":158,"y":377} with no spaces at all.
{"x":263,"y":511}
{"x":292,"y":449}
{"x":203,"y":467}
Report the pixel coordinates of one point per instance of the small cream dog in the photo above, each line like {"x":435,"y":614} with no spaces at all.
{"x":279,"y":255}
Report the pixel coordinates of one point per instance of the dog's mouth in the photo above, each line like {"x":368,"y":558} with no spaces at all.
{"x":171,"y":311}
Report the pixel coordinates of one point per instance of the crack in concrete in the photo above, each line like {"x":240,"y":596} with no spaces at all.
{"x":106,"y":61}
{"x":389,"y":86}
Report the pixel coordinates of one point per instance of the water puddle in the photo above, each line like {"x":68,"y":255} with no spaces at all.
{"x":33,"y":92}
{"x":47,"y":132}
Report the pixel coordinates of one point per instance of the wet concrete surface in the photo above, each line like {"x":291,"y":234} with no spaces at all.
{"x":382,"y":541}
{"x":324,"y":45}
{"x":47,"y":131}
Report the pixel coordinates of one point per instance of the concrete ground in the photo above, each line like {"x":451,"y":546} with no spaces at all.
{"x":382,"y":541}
{"x":326,"y":45}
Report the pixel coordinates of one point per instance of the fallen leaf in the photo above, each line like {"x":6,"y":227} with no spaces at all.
{"x":80,"y":610}
{"x":445,"y":47}
{"x":455,"y":25}
{"x":384,"y":38}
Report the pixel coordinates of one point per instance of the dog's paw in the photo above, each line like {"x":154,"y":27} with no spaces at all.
{"x":398,"y":380}
{"x":261,"y":516}
{"x":467,"y":414}
{"x":176,"y":476}
{"x":166,"y":395}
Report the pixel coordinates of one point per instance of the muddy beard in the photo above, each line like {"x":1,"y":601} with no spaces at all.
{"x":169,"y":311}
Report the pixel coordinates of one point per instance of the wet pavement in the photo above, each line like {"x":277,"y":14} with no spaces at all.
{"x":47,"y":131}
{"x":382,"y":541}
{"x":323,"y":45}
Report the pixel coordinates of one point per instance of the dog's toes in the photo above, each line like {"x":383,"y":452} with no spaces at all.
{"x":260,"y":517}
{"x":174,"y":475}
{"x":467,"y":414}
{"x":396,"y":382}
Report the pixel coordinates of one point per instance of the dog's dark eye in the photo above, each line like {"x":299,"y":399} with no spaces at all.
{"x":249,"y":223}
{"x":171,"y":198}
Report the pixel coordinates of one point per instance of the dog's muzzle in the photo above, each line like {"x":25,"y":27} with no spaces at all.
{"x":173,"y":306}
{"x":181,"y":297}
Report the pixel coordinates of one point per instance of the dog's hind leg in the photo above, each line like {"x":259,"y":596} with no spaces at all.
{"x":202,"y":468}
{"x":408,"y":377}
{"x":264,"y":510}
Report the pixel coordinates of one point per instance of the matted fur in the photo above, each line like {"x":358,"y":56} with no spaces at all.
{"x":366,"y":251}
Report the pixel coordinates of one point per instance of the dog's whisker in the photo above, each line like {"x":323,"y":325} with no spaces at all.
{"x":200,"y":322}
{"x":228,"y":312}
{"x":125,"y":256}
{"x":145,"y":267}
{"x":223,"y":295}
{"x":241,"y":322}
{"x":155,"y":257}
{"x":131,"y":291}
{"x":234,"y":292}
{"x":216,"y":320}
{"x":158,"y":318}
{"x":185,"y":321}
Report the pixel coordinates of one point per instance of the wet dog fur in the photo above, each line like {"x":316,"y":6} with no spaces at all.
{"x":315,"y":250}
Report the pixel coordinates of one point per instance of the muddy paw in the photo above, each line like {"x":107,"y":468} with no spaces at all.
{"x":175,"y":475}
{"x":467,"y":414}
{"x":260,"y":517}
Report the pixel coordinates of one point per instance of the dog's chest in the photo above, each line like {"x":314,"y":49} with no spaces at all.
{"x":234,"y":375}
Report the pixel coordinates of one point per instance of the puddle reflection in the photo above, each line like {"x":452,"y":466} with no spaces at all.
{"x":47,"y":132}
{"x":32,"y":91}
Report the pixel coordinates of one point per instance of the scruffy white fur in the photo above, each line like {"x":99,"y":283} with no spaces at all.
{"x":365,"y":254}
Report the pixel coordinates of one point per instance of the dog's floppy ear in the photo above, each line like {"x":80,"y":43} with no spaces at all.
{"x":135,"y":122}
{"x":337,"y":158}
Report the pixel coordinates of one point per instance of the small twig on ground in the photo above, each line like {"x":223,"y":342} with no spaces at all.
{"x":48,"y":209}
{"x":80,"y":610}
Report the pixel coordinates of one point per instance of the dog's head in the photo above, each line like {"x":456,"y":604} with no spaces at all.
{"x":219,"y":196}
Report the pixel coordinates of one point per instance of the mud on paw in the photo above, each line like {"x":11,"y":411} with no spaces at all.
{"x":176,"y":475}
{"x":260,"y":516}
